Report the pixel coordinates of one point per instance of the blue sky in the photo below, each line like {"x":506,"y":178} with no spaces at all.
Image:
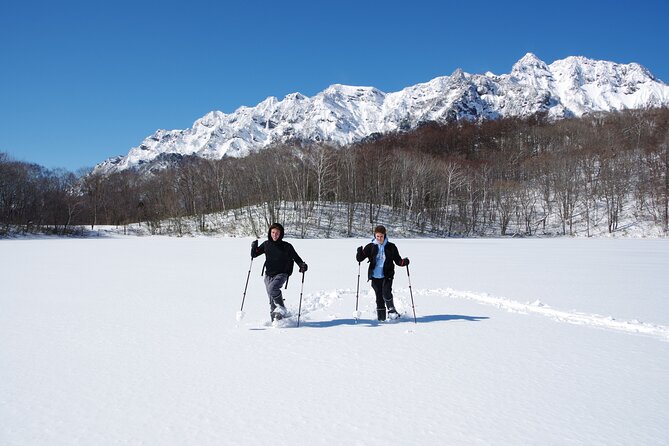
{"x":81,"y":81}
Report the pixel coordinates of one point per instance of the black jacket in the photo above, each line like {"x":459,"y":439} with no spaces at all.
{"x":392,"y":258}
{"x":279,"y":255}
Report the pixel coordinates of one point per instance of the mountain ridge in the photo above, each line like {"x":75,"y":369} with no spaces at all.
{"x":343,"y":114}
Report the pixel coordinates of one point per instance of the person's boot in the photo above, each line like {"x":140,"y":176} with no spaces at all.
{"x":393,"y":314}
{"x":381,"y":314}
{"x":279,"y":312}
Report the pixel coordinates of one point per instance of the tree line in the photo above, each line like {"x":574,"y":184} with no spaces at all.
{"x":508,"y":176}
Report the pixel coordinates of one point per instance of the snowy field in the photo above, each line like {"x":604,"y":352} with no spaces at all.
{"x":134,"y":341}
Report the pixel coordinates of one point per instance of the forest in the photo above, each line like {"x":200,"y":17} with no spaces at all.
{"x":501,"y":177}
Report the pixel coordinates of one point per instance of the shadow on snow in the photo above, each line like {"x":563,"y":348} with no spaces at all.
{"x":405,"y":319}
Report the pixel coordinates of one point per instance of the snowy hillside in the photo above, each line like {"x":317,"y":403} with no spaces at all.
{"x":134,"y":340}
{"x":343,"y":114}
{"x":330,"y":220}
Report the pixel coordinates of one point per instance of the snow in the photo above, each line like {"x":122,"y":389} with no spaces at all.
{"x":138,"y":340}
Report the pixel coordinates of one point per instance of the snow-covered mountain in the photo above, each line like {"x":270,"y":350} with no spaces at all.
{"x":344,"y":114}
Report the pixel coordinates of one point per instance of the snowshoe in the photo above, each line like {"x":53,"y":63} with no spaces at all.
{"x":279,"y":313}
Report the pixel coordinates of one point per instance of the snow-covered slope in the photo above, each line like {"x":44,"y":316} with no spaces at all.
{"x":344,"y":114}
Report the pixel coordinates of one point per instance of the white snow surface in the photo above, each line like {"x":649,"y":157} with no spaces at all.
{"x":138,"y":340}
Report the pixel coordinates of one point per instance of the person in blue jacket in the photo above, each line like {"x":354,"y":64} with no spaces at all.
{"x":383,"y":256}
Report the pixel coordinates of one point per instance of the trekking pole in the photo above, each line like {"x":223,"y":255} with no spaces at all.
{"x":411,"y":293}
{"x":356,"y":314}
{"x":299,"y":309}
{"x":240,"y":313}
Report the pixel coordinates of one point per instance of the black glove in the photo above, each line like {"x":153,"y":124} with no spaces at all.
{"x":360,"y":253}
{"x":303,"y":268}
{"x":405,"y":261}
{"x":254,"y":247}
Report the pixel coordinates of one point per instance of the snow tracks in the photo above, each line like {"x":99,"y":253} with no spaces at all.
{"x":323,"y":300}
{"x":573,"y":317}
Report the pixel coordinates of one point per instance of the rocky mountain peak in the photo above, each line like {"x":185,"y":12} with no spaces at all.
{"x":342,"y":114}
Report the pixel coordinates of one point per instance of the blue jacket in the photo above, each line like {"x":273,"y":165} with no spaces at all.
{"x":392,"y":258}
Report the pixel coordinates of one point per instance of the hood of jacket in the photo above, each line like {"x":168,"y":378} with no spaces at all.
{"x":385,"y":241}
{"x":275,"y":226}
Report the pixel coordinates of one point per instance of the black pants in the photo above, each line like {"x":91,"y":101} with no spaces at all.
{"x":383,"y":288}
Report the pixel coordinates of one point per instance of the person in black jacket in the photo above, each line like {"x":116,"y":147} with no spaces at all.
{"x":279,"y":258}
{"x":383,"y":256}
